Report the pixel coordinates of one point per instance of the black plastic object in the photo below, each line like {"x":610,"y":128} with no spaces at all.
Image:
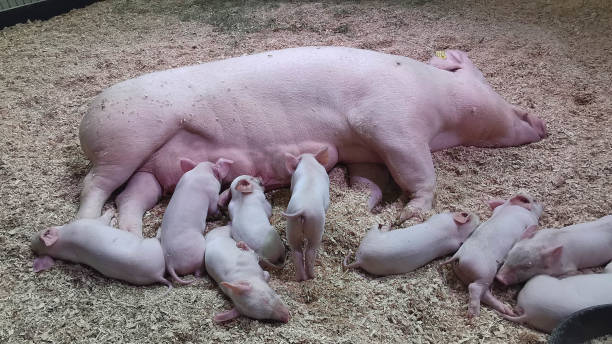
{"x":13,"y":12}
{"x":586,"y":324}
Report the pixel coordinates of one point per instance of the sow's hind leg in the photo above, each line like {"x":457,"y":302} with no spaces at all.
{"x":140,"y":194}
{"x":98,"y":185}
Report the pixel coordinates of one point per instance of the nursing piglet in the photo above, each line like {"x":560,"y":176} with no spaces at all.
{"x":399,"y":251}
{"x":235,"y":268}
{"x":559,"y":251}
{"x":250,"y":213}
{"x":480,"y":256}
{"x":306,"y":210}
{"x":544,"y":301}
{"x":114,"y":253}
{"x":182,"y":229}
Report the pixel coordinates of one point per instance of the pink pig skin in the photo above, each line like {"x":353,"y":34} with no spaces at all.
{"x":544,"y":301}
{"x":369,"y":107}
{"x":235,"y":267}
{"x":250,"y":213}
{"x":480,"y":256}
{"x":182,"y":229}
{"x":306,"y":210}
{"x":403,"y":250}
{"x":114,"y":253}
{"x":559,"y":251}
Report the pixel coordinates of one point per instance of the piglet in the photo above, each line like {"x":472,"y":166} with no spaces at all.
{"x":235,"y":268}
{"x":384,"y":252}
{"x":195,"y":195}
{"x":544,"y":300}
{"x":480,"y":256}
{"x":114,"y":253}
{"x":306,"y":210}
{"x":250,"y":213}
{"x":559,"y":251}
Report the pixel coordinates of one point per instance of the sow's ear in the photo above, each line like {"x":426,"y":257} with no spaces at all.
{"x":244,"y":186}
{"x":521,"y":201}
{"x":237,"y":288}
{"x":461,"y":218}
{"x":221,"y":168}
{"x":494,"y":203}
{"x":49,"y":236}
{"x":187,"y":164}
{"x":291,"y":162}
{"x":322,"y":156}
{"x":42,"y":263}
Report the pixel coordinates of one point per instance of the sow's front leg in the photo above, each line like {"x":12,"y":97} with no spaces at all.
{"x":407,"y":156}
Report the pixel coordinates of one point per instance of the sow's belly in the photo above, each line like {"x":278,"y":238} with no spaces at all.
{"x":265,"y":160}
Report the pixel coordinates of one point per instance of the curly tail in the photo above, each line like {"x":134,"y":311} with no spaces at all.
{"x":450,"y":260}
{"x":346,"y":265}
{"x":176,"y":278}
{"x":168,"y":284}
{"x":299,"y":215}
{"x":517,"y":319}
{"x":264,"y":263}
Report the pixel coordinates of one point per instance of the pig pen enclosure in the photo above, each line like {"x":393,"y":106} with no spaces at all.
{"x":550,"y":57}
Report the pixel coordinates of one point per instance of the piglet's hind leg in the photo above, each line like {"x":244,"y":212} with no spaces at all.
{"x":499,"y":306}
{"x":311,"y":256}
{"x":476,"y":291}
{"x":298,"y":261}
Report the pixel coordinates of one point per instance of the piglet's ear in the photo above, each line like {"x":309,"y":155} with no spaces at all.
{"x":521,"y":201}
{"x":42,"y":263}
{"x":291,"y":162}
{"x":237,"y":288}
{"x":227,"y":315}
{"x":322,"y":156}
{"x":244,"y":186}
{"x":224,"y":198}
{"x":552,"y":256}
{"x":221,"y":168}
{"x":529,"y":232}
{"x":494,"y":203}
{"x":461,"y":218}
{"x":187,"y":164}
{"x":49,"y":236}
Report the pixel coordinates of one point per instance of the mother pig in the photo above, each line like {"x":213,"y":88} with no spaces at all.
{"x":368,"y":107}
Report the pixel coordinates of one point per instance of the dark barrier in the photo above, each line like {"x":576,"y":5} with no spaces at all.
{"x":19,"y":11}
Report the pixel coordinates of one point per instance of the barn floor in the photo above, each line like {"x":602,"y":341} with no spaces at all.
{"x":552,"y":57}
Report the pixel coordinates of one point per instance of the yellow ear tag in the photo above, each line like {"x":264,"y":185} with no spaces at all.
{"x":441,"y":54}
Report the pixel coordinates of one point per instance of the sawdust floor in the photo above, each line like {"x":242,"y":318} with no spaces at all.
{"x":550,"y":57}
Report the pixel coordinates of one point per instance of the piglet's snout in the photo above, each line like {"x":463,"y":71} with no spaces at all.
{"x":502,"y":279}
{"x":285,"y":316}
